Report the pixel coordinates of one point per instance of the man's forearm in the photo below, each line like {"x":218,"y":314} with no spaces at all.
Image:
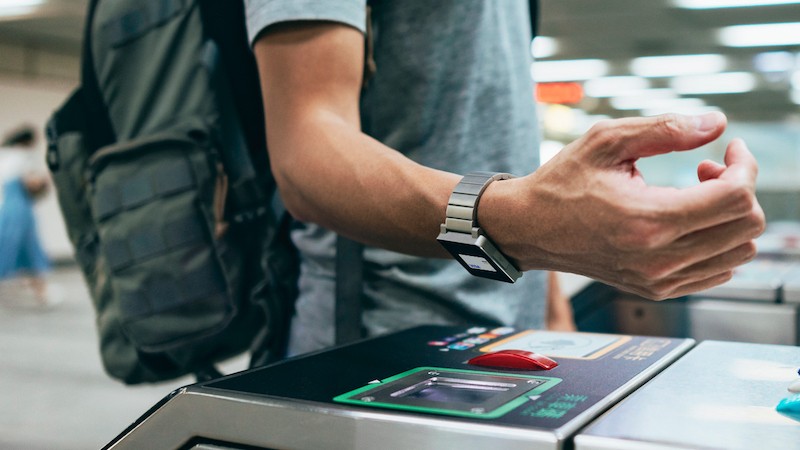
{"x":342,"y":179}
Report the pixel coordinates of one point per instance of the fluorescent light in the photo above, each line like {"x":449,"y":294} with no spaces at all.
{"x":774,"y":62}
{"x":18,"y":7}
{"x":760,"y":35}
{"x":549,"y":149}
{"x":633,"y":96}
{"x":560,"y":119}
{"x":687,"y":110}
{"x":614,"y":86}
{"x":569,"y":70}
{"x":714,"y":4}
{"x":544,"y":47}
{"x":675,"y":65}
{"x":796,"y":80}
{"x":720,"y":83}
{"x":633,"y":103}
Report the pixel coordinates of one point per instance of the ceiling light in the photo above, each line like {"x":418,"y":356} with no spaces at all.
{"x":633,"y":103}
{"x":614,"y":86}
{"x":760,"y":35}
{"x":544,"y":47}
{"x":549,"y":149}
{"x":720,"y":83}
{"x":675,"y":65}
{"x":560,"y":119}
{"x":774,"y":62}
{"x":18,"y":7}
{"x":796,"y":80}
{"x":688,"y":110}
{"x":714,"y":4}
{"x":795,"y":96}
{"x":656,"y":93}
{"x":568,"y":70}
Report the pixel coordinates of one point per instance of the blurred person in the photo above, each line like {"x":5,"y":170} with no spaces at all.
{"x":21,"y":252}
{"x":559,"y":313}
{"x":376,"y":158}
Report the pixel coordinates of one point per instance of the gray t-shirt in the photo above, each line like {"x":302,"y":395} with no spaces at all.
{"x":452,"y":91}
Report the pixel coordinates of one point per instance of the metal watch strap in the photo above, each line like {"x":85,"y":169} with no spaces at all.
{"x":462,"y":208}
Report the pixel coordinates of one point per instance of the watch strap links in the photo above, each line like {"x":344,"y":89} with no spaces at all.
{"x":462,"y":207}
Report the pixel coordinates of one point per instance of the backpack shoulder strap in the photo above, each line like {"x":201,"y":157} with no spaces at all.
{"x":534,"y":12}
{"x":349,"y":280}
{"x":99,"y":130}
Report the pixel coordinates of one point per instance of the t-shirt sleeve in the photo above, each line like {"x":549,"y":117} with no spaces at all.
{"x":263,"y":13}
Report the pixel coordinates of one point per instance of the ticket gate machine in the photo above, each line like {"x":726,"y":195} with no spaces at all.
{"x":619,"y":386}
{"x":420,"y":388}
{"x":720,"y":395}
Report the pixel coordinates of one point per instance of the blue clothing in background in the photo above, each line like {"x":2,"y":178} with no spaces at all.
{"x":20,"y":248}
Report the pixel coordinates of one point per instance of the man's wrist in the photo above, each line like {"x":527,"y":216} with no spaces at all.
{"x":461,"y":233}
{"x":498,"y":213}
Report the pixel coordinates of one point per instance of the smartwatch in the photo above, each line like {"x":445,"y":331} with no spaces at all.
{"x":461,"y":235}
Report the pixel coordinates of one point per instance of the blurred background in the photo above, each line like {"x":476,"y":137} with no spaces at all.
{"x":620,"y":58}
{"x":595,"y":60}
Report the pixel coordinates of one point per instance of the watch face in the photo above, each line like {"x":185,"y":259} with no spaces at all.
{"x":478,"y":256}
{"x":477,"y":262}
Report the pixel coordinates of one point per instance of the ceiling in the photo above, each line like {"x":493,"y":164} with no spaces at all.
{"x":619,"y":30}
{"x":611,"y":30}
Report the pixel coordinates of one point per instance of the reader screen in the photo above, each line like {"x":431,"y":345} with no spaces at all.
{"x":450,"y":390}
{"x":466,"y":393}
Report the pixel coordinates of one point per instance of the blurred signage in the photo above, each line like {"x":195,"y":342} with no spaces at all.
{"x":559,"y":93}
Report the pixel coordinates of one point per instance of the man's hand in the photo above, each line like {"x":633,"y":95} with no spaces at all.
{"x":589,"y":211}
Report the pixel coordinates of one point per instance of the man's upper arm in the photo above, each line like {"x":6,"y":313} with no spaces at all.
{"x":310,"y":72}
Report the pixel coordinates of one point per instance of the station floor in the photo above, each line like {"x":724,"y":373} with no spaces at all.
{"x":53,"y":391}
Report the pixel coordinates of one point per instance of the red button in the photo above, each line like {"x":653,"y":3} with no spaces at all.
{"x":514,"y":359}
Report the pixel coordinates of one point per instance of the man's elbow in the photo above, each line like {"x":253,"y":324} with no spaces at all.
{"x":291,"y":194}
{"x":297,"y":208}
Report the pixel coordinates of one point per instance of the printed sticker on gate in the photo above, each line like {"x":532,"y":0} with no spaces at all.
{"x":560,"y":344}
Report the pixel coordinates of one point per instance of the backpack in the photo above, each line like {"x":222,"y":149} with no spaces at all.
{"x":162,"y":176}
